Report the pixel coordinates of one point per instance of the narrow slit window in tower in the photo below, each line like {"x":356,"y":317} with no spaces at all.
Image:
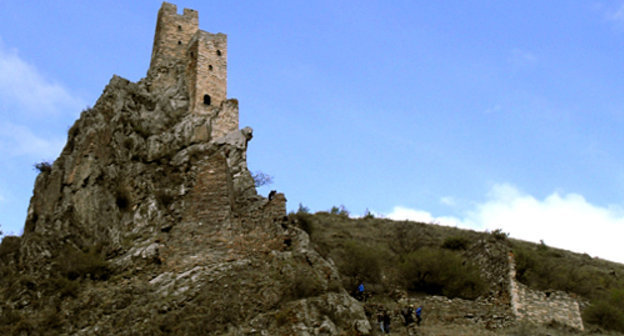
{"x":179,"y":28}
{"x":218,"y":52}
{"x":206,"y":99}
{"x":210,"y":67}
{"x":179,"y":42}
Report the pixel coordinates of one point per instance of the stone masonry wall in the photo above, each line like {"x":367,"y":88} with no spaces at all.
{"x":211,"y":200}
{"x":542,"y":307}
{"x":226,"y":119}
{"x":207,"y":70}
{"x":173,"y":33}
{"x":178,"y":40}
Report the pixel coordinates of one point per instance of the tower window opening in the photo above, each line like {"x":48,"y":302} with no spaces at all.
{"x":179,"y":42}
{"x":206,"y":99}
{"x":218,"y":52}
{"x":192,"y":54}
{"x":210,"y":67}
{"x":179,"y":28}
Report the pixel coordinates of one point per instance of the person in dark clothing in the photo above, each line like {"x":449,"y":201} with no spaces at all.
{"x":386,"y":322}
{"x":418,"y":312}
{"x":408,"y":315}
{"x":380,"y":321}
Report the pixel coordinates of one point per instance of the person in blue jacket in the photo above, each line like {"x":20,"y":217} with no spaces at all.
{"x":418,"y":312}
{"x":360,"y":292}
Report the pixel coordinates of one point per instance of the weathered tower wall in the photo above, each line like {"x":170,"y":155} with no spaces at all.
{"x":207,"y":70}
{"x":173,"y":33}
{"x":178,"y":39}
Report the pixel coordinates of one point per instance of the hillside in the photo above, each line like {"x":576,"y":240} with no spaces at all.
{"x":382,"y":253}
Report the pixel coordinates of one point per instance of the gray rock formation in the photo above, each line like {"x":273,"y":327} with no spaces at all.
{"x":146,"y":225}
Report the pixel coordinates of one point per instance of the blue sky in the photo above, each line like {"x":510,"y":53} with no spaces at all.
{"x":476,"y":114}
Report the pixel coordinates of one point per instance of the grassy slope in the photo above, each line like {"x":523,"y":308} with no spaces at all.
{"x":539,"y":266}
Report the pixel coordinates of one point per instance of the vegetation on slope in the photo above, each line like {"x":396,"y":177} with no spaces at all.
{"x":601,"y":282}
{"x":430,"y":259}
{"x":388,"y":255}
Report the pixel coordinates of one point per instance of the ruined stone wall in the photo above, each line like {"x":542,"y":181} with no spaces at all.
{"x":542,"y":307}
{"x":212,"y":198}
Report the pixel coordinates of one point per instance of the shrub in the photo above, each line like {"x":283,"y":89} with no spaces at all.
{"x":303,"y":209}
{"x":9,"y":248}
{"x":406,"y":238}
{"x":305,"y":285}
{"x":606,"y":314}
{"x":304,"y":222}
{"x":76,"y":264}
{"x":441,"y":272}
{"x":499,"y":235}
{"x":65,"y":287}
{"x":456,"y":243}
{"x":361,"y":261}
{"x":538,"y":268}
{"x":43,"y":166}
{"x":368,"y":214}
{"x":341,"y":211}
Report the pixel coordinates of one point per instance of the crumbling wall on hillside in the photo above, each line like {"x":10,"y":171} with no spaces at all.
{"x":542,"y":307}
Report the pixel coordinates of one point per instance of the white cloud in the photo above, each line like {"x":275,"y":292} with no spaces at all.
{"x":403,"y":213}
{"x":448,"y":200}
{"x":17,"y":140}
{"x":617,"y":14}
{"x":520,"y":57}
{"x":566,"y":221}
{"x":29,"y":104}
{"x":22,"y":85}
{"x":493,"y":109}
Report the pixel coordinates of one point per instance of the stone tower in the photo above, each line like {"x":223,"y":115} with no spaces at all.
{"x":204,"y":55}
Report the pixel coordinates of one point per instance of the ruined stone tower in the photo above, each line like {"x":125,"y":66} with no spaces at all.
{"x":178,"y":39}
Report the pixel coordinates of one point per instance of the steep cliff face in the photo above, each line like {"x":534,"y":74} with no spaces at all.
{"x":149,"y":222}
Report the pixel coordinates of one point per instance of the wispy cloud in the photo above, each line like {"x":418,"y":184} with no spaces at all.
{"x":611,"y":13}
{"x":617,"y":14}
{"x":29,"y":104}
{"x":17,"y":140}
{"x":519,"y":57}
{"x":567,"y":221}
{"x":448,"y":200}
{"x":24,"y":88}
{"x":493,"y":109}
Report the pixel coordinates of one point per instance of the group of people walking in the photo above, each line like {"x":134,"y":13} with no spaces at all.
{"x":383,"y":318}
{"x":408,"y":313}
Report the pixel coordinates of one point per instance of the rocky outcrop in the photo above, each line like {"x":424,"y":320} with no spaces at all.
{"x":179,"y":240}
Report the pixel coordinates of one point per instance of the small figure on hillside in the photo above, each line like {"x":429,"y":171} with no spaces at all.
{"x":408,"y":316}
{"x":380,"y":320}
{"x":386,"y":322}
{"x":418,"y":312}
{"x":359,"y":292}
